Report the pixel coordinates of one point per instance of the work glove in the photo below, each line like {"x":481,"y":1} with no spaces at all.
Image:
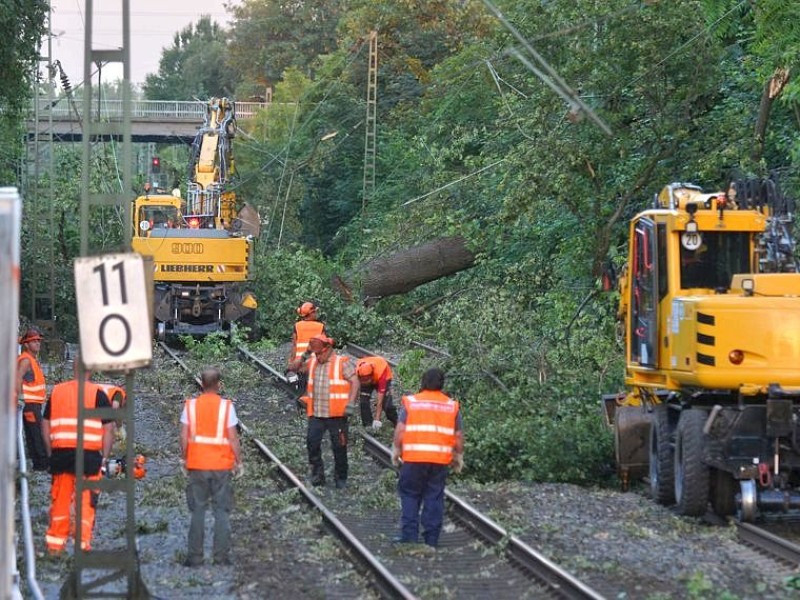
{"x":183,"y":468}
{"x":349,"y":410}
{"x":376,"y":424}
{"x":238,"y":471}
{"x":396,"y":460}
{"x":21,"y":401}
{"x":458,"y":463}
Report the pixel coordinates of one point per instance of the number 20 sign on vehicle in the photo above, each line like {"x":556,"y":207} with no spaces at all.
{"x":112,"y":312}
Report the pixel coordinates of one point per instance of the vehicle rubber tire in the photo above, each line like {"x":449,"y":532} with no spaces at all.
{"x":662,"y":457}
{"x":692,"y":475}
{"x":723,"y":492}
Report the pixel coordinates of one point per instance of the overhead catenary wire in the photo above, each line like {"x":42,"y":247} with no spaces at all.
{"x":454,"y":182}
{"x":552,"y":79}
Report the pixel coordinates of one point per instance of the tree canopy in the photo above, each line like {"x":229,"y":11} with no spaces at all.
{"x":194,"y":66}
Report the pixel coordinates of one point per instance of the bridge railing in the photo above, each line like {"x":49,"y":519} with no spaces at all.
{"x":141,"y":109}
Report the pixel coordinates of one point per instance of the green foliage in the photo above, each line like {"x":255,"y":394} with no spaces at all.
{"x":194,"y":66}
{"x":22,"y":23}
{"x":267,"y":37}
{"x":211,"y":348}
{"x":288,"y":277}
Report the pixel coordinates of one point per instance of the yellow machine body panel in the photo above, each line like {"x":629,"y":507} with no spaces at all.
{"x":710,"y":309}
{"x":183,"y":254}
{"x":762,"y":330}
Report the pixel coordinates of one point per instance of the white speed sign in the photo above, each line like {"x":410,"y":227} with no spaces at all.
{"x":112,"y":312}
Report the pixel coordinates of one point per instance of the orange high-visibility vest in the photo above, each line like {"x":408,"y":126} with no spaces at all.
{"x":303,"y":332}
{"x":34,"y":391}
{"x":113,"y":391}
{"x":379,"y":365}
{"x":338,"y":386}
{"x":209,"y":447}
{"x":430,"y":428}
{"x":64,"y":417}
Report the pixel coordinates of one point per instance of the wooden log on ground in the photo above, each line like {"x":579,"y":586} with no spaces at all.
{"x":405,"y":269}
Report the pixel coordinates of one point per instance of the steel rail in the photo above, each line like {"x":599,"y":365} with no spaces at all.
{"x":533,"y":562}
{"x":768,"y":542}
{"x":388,"y":585}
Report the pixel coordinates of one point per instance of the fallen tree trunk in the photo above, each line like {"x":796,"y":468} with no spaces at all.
{"x":406,"y":269}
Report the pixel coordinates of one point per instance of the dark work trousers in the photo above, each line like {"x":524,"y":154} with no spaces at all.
{"x":421,"y":484}
{"x":365,"y":402}
{"x":214,"y":488}
{"x":34,"y":442}
{"x":337,"y":429}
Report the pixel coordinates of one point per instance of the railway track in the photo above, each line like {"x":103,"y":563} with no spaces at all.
{"x":768,"y":543}
{"x":476,"y":557}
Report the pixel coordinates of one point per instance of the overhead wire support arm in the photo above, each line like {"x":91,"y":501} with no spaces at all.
{"x":551,"y":78}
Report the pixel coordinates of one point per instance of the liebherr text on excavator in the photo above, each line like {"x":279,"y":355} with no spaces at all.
{"x":202,"y":247}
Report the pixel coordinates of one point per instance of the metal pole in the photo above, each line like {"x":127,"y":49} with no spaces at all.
{"x":10,"y":206}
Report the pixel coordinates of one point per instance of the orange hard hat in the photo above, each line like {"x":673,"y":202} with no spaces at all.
{"x":365,"y":369}
{"x":31,"y":335}
{"x":324,"y":339}
{"x":306,"y":308}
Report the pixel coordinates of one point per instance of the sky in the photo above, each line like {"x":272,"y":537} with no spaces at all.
{"x":153,"y":25}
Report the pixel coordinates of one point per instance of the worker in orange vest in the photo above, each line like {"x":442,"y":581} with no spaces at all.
{"x":31,"y":393}
{"x":375,"y":374}
{"x":427,"y":440}
{"x":60,"y":431}
{"x":211,"y":455}
{"x":307,"y":327}
{"x":330,"y":398}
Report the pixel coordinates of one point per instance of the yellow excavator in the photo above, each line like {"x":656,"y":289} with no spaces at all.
{"x":201,"y":246}
{"x":710,"y":308}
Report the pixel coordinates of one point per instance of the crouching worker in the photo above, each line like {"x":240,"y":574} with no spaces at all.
{"x":375,"y":374}
{"x":60,"y":433}
{"x":211,"y":452}
{"x":428,"y":439}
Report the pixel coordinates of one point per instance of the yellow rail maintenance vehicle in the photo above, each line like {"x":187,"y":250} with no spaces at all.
{"x":202,"y":246}
{"x":710,"y":304}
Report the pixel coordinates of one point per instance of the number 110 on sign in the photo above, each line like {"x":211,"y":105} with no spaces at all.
{"x":112,"y":312}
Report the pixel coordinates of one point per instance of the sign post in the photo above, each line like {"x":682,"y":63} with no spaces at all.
{"x":112,"y":312}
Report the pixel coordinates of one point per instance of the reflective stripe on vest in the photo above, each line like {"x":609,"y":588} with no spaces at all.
{"x":304,"y":331}
{"x":64,"y":417}
{"x":430,"y":432}
{"x":34,"y":391}
{"x":209,"y":447}
{"x":338,"y":386}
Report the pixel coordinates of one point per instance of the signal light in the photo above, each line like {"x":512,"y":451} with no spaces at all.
{"x":155,"y":164}
{"x":736,"y":357}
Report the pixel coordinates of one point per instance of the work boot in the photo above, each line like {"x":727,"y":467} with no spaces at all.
{"x":192,"y":562}
{"x":341,"y":484}
{"x":317,"y":476}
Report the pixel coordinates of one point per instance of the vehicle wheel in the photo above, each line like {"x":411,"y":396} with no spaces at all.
{"x":723,"y":492}
{"x":691,"y":473}
{"x":662,"y":457}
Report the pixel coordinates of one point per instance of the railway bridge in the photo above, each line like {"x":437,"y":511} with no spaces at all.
{"x":159,"y":121}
